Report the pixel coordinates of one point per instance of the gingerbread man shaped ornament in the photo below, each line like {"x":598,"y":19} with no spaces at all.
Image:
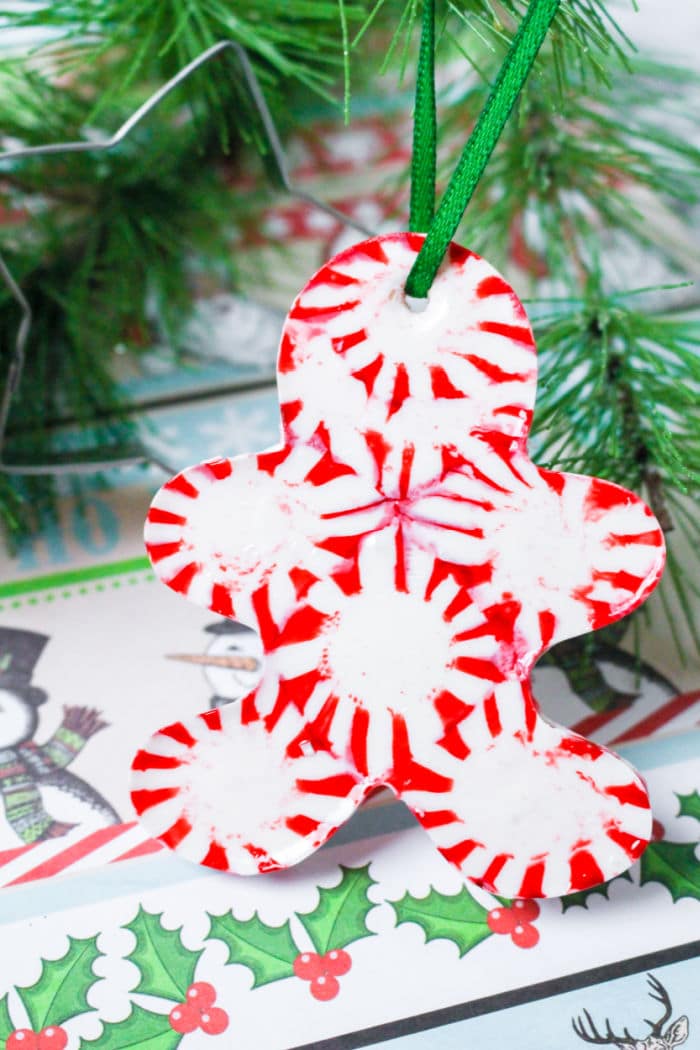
{"x":405,"y":564}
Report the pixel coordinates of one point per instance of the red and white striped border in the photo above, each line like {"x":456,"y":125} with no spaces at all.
{"x":75,"y":852}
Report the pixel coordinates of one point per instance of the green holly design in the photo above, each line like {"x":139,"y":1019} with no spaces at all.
{"x":61,"y":991}
{"x":142,"y":1029}
{"x":166,"y":971}
{"x":689,"y":805}
{"x":311,"y":946}
{"x":457,"y":918}
{"x":580,"y":899}
{"x":273,"y":953}
{"x":675,"y":865}
{"x":165,"y":965}
{"x":59,"y":994}
{"x":6,"y":1025}
{"x":268,"y":951}
{"x":460,"y":918}
{"x":340,"y":917}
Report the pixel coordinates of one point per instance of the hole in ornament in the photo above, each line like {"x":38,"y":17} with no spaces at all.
{"x":232,"y":660}
{"x":416,"y":306}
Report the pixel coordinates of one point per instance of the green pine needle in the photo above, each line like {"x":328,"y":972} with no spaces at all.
{"x":135,"y":40}
{"x":568,"y":162}
{"x":584,"y":37}
{"x":619,"y":397}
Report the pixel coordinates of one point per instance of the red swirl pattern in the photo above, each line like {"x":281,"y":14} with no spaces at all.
{"x":405,"y":564}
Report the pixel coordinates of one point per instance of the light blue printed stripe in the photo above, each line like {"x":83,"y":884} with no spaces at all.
{"x":664,"y":751}
{"x":546,"y":1024}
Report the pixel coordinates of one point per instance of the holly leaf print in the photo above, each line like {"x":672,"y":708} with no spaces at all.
{"x":580,"y":899}
{"x":340,"y":916}
{"x":141,"y":1030}
{"x":675,"y":866}
{"x":689,"y":805}
{"x":61,"y":990}
{"x":167,"y":967}
{"x":6,"y":1025}
{"x":457,"y":918}
{"x":268,"y":951}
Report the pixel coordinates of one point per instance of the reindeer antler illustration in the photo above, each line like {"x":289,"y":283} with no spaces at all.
{"x":594,"y":1036}
{"x":659,"y":993}
{"x":658,"y":1038}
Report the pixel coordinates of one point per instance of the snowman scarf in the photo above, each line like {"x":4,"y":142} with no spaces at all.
{"x":22,"y":770}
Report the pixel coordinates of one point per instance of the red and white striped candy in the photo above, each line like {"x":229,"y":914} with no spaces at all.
{"x":405,"y":564}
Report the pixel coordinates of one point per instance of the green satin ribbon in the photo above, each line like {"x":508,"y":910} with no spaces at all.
{"x":511,"y":77}
{"x":424,"y":156}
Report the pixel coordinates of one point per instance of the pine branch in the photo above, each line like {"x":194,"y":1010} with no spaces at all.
{"x":103,"y":246}
{"x":106,"y":246}
{"x":132,"y":41}
{"x":618,"y":397}
{"x":585,"y":38}
{"x":567,"y":167}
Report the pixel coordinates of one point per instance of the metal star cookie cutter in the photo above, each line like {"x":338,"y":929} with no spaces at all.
{"x":99,"y":458}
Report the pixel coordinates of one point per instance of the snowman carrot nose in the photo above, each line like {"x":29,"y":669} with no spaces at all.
{"x":235,"y":663}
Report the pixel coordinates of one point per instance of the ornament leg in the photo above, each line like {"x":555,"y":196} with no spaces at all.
{"x":538,"y":812}
{"x":229,"y":795}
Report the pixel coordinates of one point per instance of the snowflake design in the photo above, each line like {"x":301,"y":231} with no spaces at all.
{"x":405,"y":564}
{"x":166,"y":439}
{"x":240,"y":424}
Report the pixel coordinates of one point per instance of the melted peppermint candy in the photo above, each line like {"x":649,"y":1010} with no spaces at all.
{"x":404,"y":563}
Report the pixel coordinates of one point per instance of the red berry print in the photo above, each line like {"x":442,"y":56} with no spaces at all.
{"x":308,"y":965}
{"x":52,"y":1038}
{"x":325,"y":987}
{"x":22,"y":1039}
{"x":323,"y":971}
{"x":526,"y":911}
{"x":336,"y":962}
{"x":184,"y":1018}
{"x":198,"y":1011}
{"x":213,"y":1021}
{"x":658,"y":831}
{"x":516,"y":919}
{"x":201,"y":994}
{"x":501,"y":920}
{"x":525,"y":935}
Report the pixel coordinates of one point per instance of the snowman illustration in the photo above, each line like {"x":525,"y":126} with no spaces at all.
{"x":232,"y":663}
{"x":42,"y":799}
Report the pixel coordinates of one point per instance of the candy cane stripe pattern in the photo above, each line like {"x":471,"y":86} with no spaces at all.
{"x":405,"y":564}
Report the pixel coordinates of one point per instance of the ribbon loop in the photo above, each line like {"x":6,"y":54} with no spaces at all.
{"x":475,"y":156}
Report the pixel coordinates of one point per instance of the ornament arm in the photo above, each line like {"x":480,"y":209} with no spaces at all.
{"x":604,"y":554}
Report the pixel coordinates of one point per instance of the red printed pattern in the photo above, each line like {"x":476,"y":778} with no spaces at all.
{"x":405,"y":564}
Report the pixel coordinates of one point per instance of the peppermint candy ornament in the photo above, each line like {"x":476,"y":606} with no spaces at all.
{"x":405,"y":564}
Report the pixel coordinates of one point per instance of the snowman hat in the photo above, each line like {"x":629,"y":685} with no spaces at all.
{"x":228,"y":627}
{"x":19,"y":652}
